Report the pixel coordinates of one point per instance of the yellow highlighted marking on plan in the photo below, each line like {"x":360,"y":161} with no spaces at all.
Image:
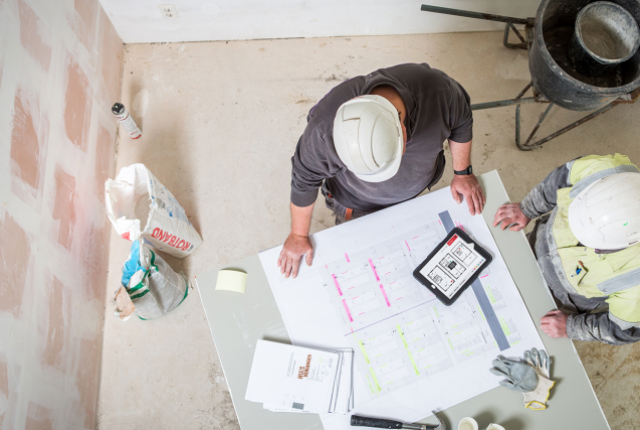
{"x":375,"y":379}
{"x":364,"y":351}
{"x":408,"y":351}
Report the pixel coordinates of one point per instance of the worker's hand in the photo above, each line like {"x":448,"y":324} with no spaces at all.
{"x":468,"y":187}
{"x":294,"y":248}
{"x":511,"y":214}
{"x":554,"y":323}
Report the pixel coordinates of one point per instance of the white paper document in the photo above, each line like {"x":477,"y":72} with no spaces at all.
{"x":412,"y":354}
{"x":287,"y":378}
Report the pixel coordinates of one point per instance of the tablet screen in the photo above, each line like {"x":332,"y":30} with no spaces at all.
{"x":452,"y":266}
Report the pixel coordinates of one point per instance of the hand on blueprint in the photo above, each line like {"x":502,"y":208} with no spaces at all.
{"x":554,"y":323}
{"x":511,"y":215}
{"x":468,"y":187}
{"x":294,"y":248}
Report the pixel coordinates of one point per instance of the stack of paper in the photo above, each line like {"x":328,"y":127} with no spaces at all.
{"x":287,"y":378}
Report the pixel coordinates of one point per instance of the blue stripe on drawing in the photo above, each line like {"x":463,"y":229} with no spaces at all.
{"x":483,"y":300}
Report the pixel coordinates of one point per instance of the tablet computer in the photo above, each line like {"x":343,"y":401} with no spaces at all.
{"x":452,"y":266}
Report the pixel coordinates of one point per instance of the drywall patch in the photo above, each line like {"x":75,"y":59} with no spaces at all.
{"x":54,"y":345}
{"x":33,"y":34}
{"x":83,"y":21}
{"x":111,"y":59}
{"x":88,"y":377}
{"x":64,"y":206}
{"x":96,"y":263}
{"x":104,"y":160}
{"x":4,"y":376}
{"x":77,"y":110}
{"x":15,"y":253}
{"x":27,"y":141}
{"x":38,"y":418}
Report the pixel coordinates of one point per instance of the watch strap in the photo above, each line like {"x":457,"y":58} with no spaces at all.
{"x":466,"y":171}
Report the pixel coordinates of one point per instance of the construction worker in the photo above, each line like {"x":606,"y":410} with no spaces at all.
{"x":377,"y":140}
{"x":587,"y":246}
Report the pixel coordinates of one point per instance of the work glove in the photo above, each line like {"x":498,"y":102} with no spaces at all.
{"x":541,"y":363}
{"x":529,"y":376}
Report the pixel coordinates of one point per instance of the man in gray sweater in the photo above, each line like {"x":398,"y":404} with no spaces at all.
{"x":377,"y":140}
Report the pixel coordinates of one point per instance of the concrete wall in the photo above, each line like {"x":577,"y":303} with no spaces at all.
{"x":60,"y":70}
{"x":141,"y":21}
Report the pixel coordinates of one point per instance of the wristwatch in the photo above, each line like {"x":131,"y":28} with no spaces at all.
{"x":466,"y":171}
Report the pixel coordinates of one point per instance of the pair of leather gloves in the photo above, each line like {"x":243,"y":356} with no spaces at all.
{"x":530,"y":376}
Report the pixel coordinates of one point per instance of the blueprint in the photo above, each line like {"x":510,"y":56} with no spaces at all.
{"x":412,"y":353}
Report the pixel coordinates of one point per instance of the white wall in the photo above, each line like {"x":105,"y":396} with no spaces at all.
{"x":140,"y":21}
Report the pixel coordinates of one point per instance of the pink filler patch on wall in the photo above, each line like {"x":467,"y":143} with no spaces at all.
{"x":33,"y":34}
{"x":15,"y":251}
{"x":64,"y":207}
{"x":77,"y":110}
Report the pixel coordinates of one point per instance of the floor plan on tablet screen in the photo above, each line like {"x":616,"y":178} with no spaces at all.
{"x":360,"y":293}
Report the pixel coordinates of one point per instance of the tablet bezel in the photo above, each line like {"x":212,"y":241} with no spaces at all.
{"x":436,"y":291}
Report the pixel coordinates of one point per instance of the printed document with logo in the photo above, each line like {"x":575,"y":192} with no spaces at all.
{"x":287,"y":378}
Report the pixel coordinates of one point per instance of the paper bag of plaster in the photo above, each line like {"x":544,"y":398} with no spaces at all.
{"x":153,"y":287}
{"x":138,"y":205}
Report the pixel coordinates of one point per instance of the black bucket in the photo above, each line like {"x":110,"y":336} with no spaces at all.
{"x":555,"y":75}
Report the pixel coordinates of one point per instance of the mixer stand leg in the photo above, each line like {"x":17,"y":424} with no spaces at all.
{"x":505,"y":41}
{"x":527,"y":146}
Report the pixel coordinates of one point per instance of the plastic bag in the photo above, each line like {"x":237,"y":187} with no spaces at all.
{"x":138,"y":205}
{"x":153,"y":287}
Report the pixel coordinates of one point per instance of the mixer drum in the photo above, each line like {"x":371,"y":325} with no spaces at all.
{"x":554,"y":75}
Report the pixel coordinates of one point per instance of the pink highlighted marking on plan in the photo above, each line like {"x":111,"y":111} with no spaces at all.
{"x":374,"y":270}
{"x":346,"y":308}
{"x":484,"y":276}
{"x":384,"y":293}
{"x":335,"y":281}
{"x":347,"y":257}
{"x":408,"y":247}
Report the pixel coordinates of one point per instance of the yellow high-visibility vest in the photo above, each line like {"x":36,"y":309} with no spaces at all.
{"x":616,"y":275}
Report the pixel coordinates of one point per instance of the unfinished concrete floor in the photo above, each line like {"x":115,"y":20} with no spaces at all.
{"x":220,"y":122}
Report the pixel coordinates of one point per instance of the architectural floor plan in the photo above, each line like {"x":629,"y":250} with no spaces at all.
{"x":360,"y":293}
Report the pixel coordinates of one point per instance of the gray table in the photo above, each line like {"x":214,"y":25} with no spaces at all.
{"x":237,"y":321}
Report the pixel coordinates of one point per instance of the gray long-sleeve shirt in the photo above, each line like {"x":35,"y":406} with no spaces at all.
{"x":591,"y":320}
{"x":437,"y":108}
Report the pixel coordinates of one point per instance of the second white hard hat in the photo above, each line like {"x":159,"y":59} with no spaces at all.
{"x":367,"y":135}
{"x":606,"y":215}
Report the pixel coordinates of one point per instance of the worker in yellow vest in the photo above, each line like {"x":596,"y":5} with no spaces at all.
{"x":586,"y":242}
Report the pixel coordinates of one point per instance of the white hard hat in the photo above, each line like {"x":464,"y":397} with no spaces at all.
{"x":606,"y":214}
{"x":367,"y":135}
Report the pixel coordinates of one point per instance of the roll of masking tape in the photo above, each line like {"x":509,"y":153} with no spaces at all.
{"x":467,"y":423}
{"x":493,"y":426}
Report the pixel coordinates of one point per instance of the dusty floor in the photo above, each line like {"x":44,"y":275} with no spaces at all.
{"x":220,"y":122}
